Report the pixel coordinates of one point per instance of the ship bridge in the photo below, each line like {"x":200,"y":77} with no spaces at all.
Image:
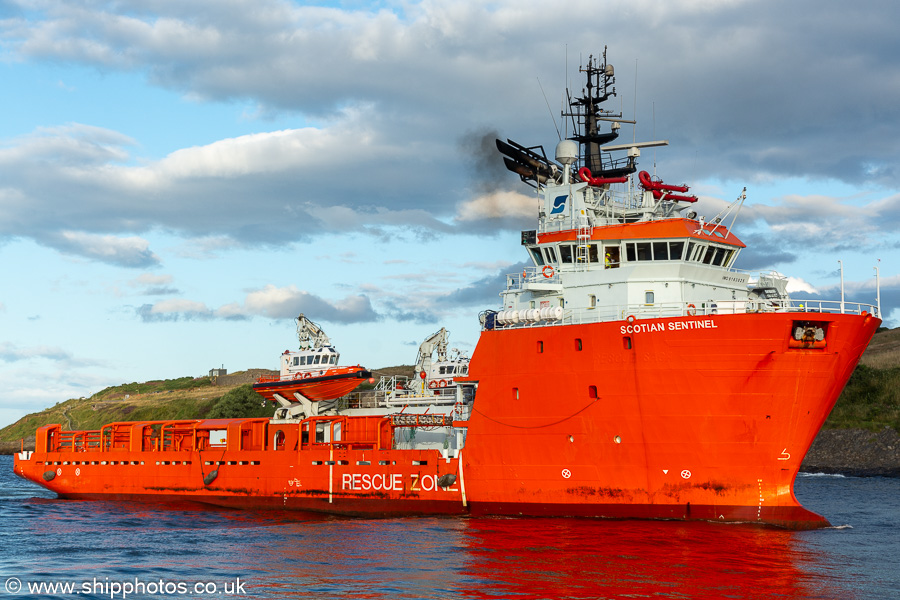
{"x":613,"y":242}
{"x":603,"y":256}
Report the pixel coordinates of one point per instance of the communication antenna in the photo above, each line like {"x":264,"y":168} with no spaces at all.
{"x":654,"y":136}
{"x":634,"y":108}
{"x":562,"y":108}
{"x":550,"y":110}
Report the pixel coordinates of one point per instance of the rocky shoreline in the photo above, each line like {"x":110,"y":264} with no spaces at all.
{"x":13,"y":447}
{"x":854,"y":452}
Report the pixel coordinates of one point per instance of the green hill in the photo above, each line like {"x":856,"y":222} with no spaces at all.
{"x":182,"y":398}
{"x":227,"y":396}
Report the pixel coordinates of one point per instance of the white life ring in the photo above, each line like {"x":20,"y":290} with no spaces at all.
{"x":691,"y":310}
{"x":547,"y":271}
{"x":443,"y":383}
{"x":630,"y":319}
{"x":432,"y":384}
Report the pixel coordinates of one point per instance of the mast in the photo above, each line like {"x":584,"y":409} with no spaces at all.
{"x":587,"y":112}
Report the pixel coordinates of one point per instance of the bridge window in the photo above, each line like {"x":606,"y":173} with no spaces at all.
{"x":593,"y":253}
{"x":536,"y":256}
{"x":729,"y":254}
{"x":719,"y":258}
{"x":642,"y":251}
{"x":660,"y":251}
{"x":611,"y":258}
{"x":550,"y":255}
{"x":698,"y":253}
{"x":565,"y":254}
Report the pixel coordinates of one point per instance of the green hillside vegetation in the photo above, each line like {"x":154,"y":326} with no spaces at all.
{"x":870,"y":401}
{"x":182,"y":398}
{"x":241,"y":401}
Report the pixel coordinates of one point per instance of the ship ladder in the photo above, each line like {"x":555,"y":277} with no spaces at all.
{"x":583,"y":246}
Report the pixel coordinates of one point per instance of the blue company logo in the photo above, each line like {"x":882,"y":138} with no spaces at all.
{"x":559,"y":205}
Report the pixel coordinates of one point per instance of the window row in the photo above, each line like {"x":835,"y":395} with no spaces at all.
{"x":324,"y":359}
{"x":567,"y":254}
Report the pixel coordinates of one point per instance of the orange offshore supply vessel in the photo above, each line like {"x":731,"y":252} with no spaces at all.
{"x":630,"y":372}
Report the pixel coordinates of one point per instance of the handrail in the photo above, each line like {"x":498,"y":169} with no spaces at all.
{"x":118,"y":435}
{"x":660,"y":310}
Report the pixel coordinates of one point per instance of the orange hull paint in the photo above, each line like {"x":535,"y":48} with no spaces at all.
{"x":719,"y":416}
{"x":355,"y":477}
{"x":707,"y":421}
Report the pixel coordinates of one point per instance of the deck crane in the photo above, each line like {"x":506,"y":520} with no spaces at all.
{"x":436,"y":341}
{"x":310,"y":334}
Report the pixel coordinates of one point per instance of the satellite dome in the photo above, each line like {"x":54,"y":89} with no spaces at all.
{"x":567,"y":152}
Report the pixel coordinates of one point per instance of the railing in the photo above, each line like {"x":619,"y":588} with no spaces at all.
{"x":611,"y":203}
{"x":696,"y":309}
{"x":147,"y":436}
{"x":550,"y":273}
{"x":79,"y":441}
{"x":398,"y":391}
{"x":545,"y":274}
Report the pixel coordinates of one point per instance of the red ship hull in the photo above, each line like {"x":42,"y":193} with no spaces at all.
{"x":695,"y":418}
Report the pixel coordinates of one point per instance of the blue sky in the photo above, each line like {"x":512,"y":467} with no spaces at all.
{"x":178,"y":180}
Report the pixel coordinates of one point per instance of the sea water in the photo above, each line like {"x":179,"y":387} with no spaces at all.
{"x":51,"y":548}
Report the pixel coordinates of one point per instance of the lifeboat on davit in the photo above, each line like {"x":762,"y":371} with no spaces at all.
{"x":312,"y":372}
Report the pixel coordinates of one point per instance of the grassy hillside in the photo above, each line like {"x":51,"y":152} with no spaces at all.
{"x":870,"y":401}
{"x":183,"y":398}
{"x":884,"y":350}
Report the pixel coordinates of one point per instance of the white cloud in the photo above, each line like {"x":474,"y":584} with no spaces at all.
{"x":796,"y":284}
{"x":270,"y":302}
{"x":121,"y":251}
{"x":13,"y":353}
{"x":176,"y":306}
{"x":376,"y":153}
{"x":146,"y":279}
